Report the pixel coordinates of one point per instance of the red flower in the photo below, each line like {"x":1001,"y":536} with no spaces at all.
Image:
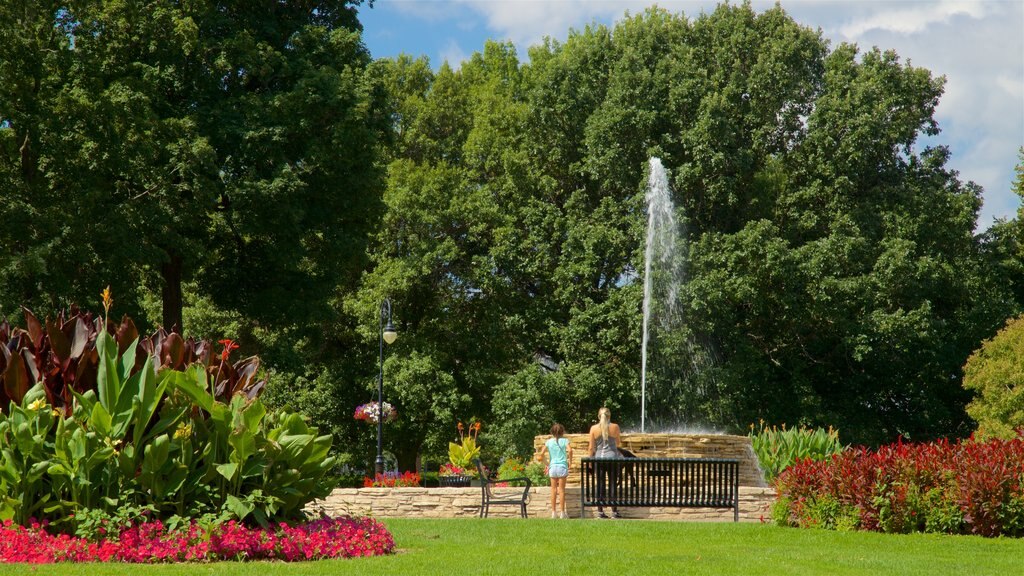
{"x":229,"y":345}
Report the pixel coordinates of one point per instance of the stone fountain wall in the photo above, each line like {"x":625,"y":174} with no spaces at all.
{"x":465,"y":503}
{"x":755,"y":497}
{"x":668,"y":445}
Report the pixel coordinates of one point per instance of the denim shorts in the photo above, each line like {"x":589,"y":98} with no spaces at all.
{"x":558,"y":471}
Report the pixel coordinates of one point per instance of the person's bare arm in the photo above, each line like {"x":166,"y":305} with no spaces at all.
{"x":590,"y":445}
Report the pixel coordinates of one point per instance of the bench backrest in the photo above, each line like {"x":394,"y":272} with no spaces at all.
{"x":687,"y":482}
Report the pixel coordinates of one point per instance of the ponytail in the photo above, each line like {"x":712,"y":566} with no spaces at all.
{"x":604,"y":418}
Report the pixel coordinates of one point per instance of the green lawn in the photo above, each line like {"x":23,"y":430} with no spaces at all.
{"x":624,"y":547}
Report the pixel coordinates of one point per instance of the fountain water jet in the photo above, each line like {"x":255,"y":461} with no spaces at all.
{"x":662,"y":233}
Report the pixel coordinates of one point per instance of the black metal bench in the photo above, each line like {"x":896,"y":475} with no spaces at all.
{"x":489,"y":498}
{"x":669,"y":482}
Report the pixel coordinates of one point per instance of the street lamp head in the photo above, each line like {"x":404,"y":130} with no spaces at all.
{"x":390,"y":334}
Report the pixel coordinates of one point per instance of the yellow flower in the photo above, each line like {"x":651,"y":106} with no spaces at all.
{"x":40,"y":403}
{"x":183,"y":432}
{"x":56,"y":413}
{"x":108,"y":299}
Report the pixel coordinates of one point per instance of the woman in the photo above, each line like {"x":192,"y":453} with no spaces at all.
{"x":604,"y":443}
{"x":559,"y":461}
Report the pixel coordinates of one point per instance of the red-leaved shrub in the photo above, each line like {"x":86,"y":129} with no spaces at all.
{"x":960,"y":488}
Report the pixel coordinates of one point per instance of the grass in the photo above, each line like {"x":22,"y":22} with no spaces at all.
{"x":518,"y":547}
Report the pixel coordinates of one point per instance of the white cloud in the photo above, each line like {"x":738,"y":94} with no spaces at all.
{"x":528,"y":22}
{"x":914,"y":19}
{"x":1013,"y":86}
{"x":453,"y":54}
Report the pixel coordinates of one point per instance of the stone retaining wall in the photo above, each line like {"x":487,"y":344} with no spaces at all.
{"x":465,"y":503}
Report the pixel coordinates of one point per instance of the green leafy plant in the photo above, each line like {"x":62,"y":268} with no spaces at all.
{"x":25,"y":458}
{"x":511,"y":467}
{"x":514,"y":467}
{"x":462,"y":453}
{"x":778,"y":448}
{"x":537,"y":473}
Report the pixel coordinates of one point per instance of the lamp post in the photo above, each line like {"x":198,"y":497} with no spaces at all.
{"x":387,"y":334}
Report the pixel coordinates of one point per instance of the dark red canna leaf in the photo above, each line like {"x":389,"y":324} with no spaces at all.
{"x":172,"y":352}
{"x":35,"y":329}
{"x":32,"y":363}
{"x":87,"y":370}
{"x":59,"y":343}
{"x":16,"y":380}
{"x":78,"y":328}
{"x":126,"y":334}
{"x":246,"y":375}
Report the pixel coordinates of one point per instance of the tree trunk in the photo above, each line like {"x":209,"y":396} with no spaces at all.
{"x":408,"y":460}
{"x":172,"y":303}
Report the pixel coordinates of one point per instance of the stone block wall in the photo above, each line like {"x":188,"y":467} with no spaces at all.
{"x":465,"y":503}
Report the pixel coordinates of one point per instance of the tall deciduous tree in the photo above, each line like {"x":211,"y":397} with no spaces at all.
{"x":150,"y":143}
{"x":833,"y":274}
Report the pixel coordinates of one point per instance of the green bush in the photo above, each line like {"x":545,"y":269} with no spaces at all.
{"x":513,"y":467}
{"x":779,"y":448}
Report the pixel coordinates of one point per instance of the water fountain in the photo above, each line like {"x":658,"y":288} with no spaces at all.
{"x":660,"y":251}
{"x":664,"y":276}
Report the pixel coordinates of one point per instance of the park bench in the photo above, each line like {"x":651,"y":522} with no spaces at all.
{"x":506,"y":497}
{"x":668,"y":482}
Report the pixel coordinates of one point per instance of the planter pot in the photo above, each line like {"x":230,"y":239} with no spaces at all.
{"x":454,"y":481}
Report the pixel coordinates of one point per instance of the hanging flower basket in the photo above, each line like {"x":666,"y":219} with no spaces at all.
{"x":371,"y":413}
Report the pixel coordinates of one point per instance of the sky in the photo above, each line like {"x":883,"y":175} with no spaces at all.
{"x":978,"y":45}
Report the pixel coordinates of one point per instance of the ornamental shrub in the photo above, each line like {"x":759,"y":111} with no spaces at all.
{"x":966,"y":487}
{"x":138,"y":432}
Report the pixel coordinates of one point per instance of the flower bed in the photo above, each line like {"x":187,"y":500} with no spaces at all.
{"x":956,"y":488}
{"x":392,"y":480}
{"x":152,"y":542}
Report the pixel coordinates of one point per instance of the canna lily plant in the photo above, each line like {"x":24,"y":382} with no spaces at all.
{"x":93,"y":417}
{"x":463,"y":453}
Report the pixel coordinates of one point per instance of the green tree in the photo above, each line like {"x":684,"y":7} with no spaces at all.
{"x":149,"y":144}
{"x":995,"y":374}
{"x":1002,"y":242}
{"x":833,"y":274}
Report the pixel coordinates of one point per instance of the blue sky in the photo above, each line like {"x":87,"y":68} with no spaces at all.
{"x":977,"y":44}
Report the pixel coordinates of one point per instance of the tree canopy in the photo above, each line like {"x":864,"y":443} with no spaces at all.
{"x":149,"y":144}
{"x":833,"y":274}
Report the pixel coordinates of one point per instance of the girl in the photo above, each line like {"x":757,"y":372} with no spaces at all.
{"x":559,"y":461}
